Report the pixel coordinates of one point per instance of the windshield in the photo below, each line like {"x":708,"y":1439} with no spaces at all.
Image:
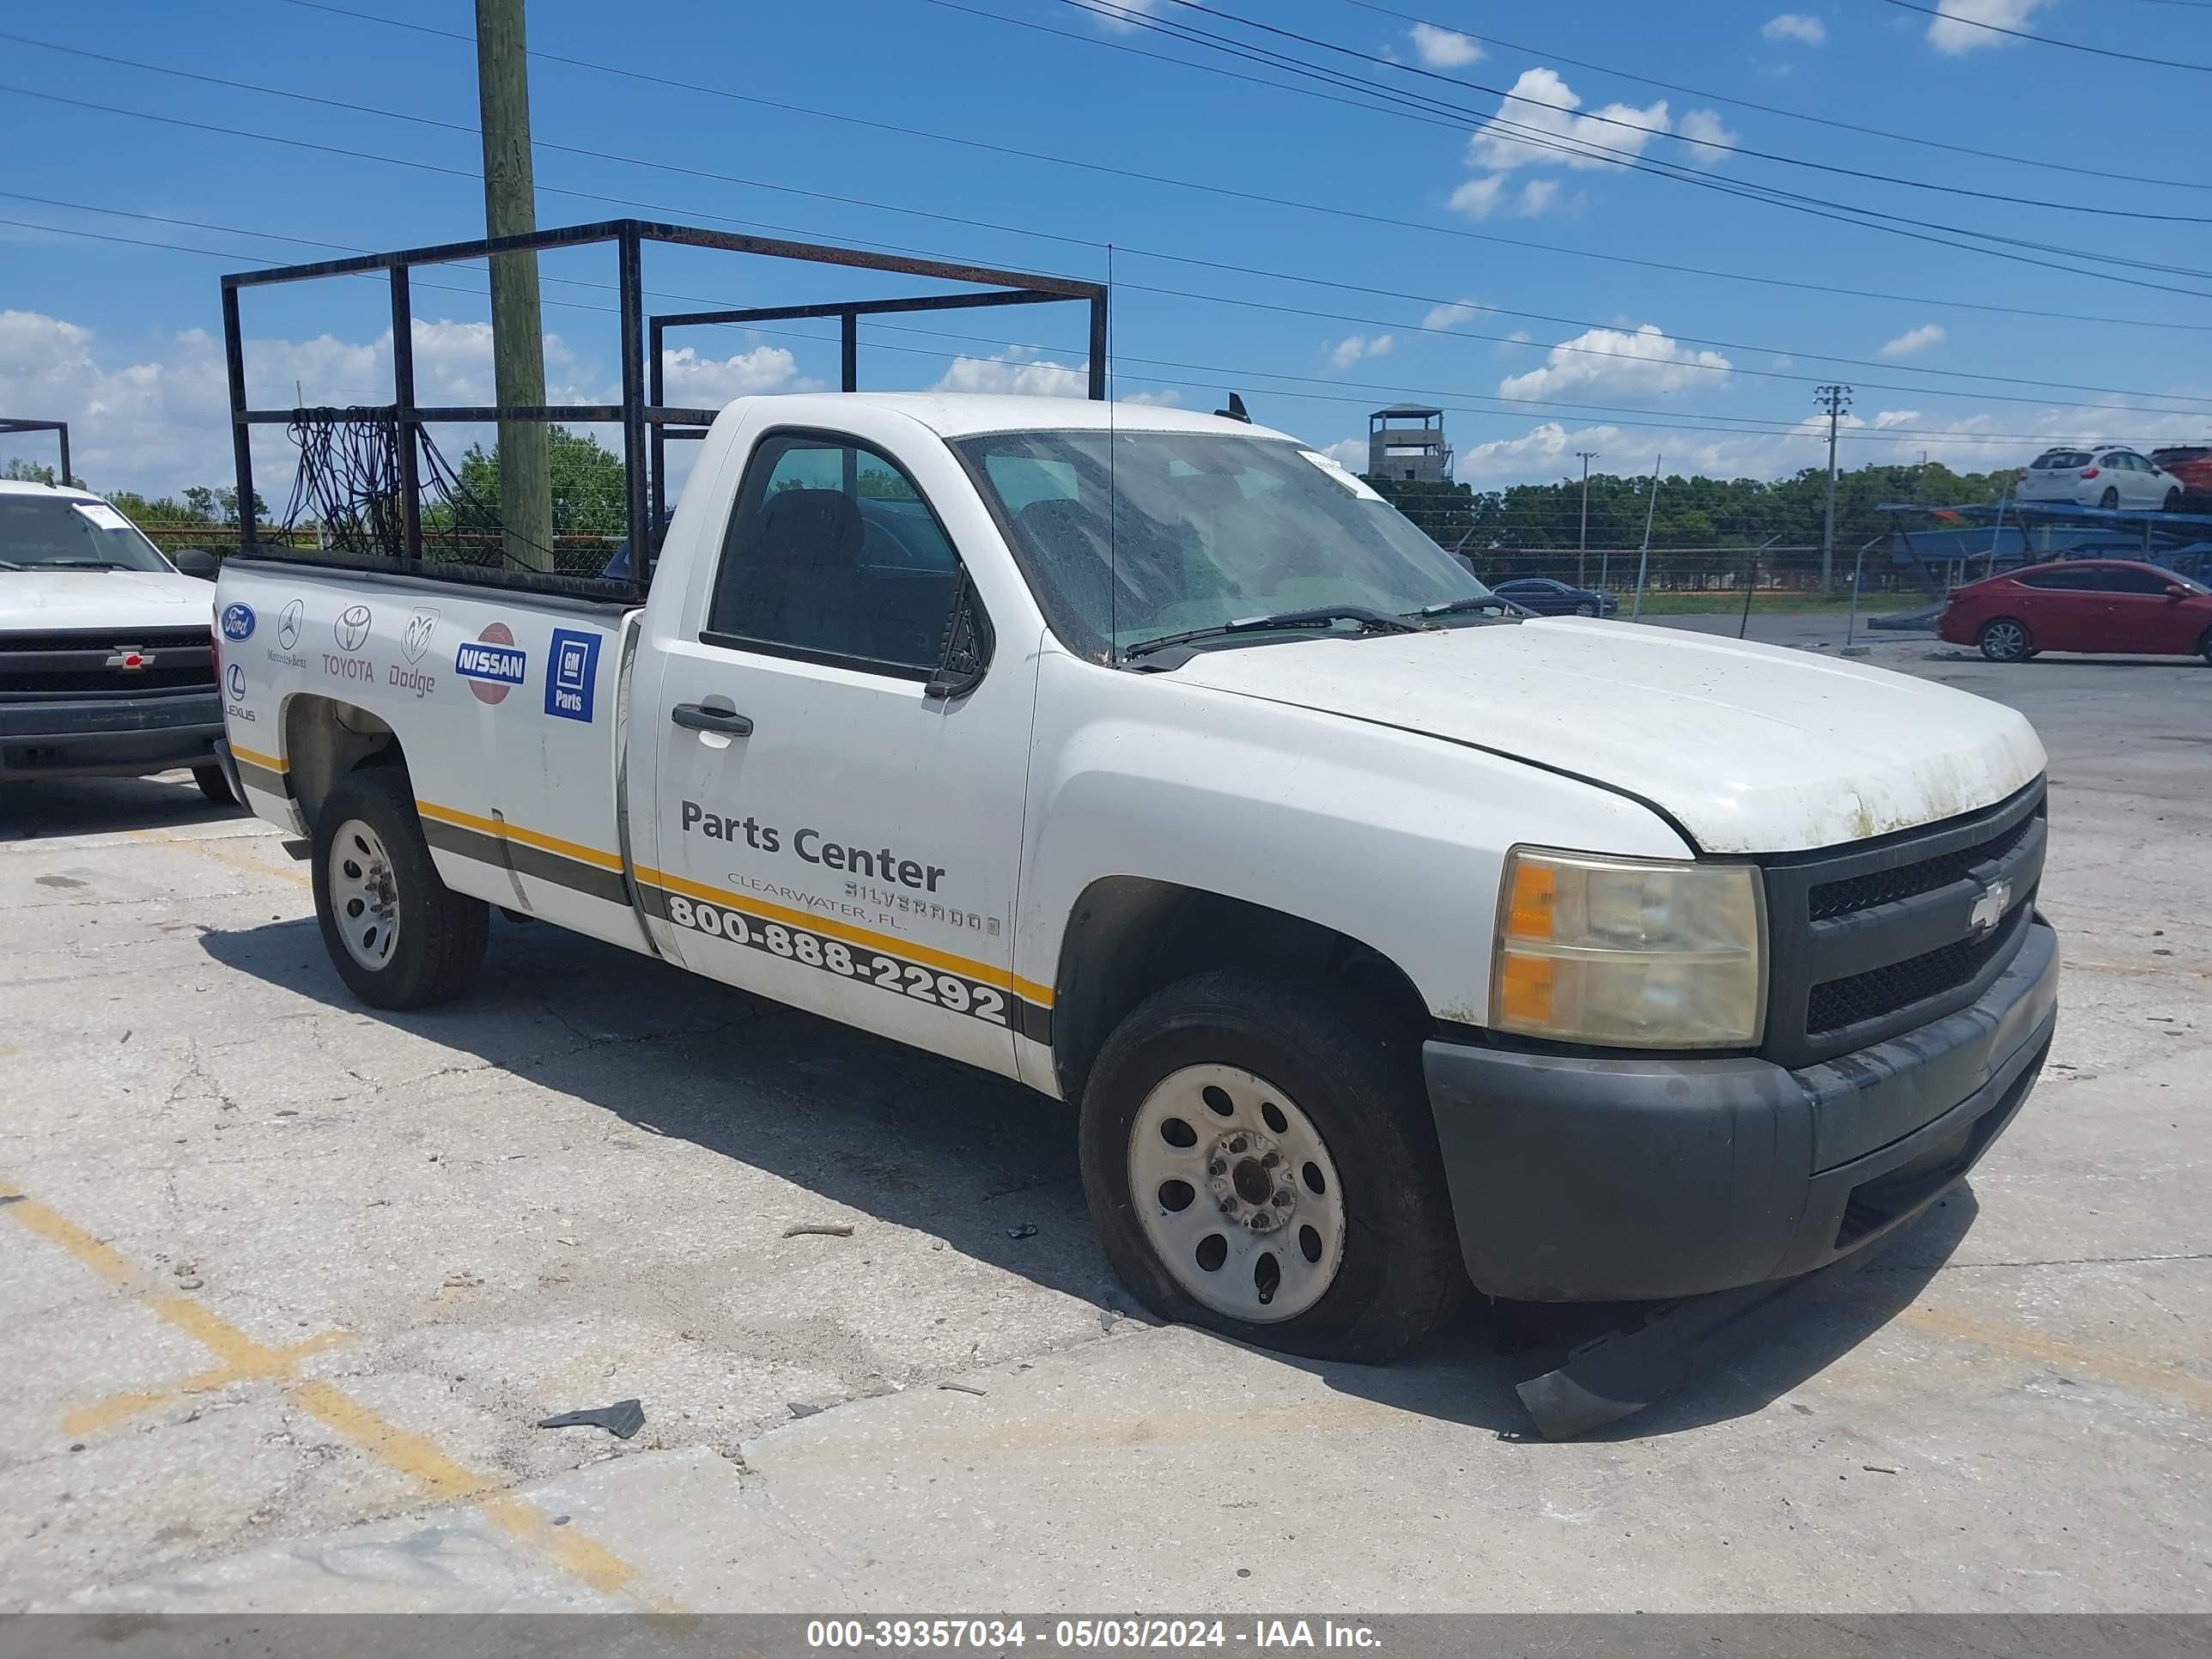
{"x":1207,"y":530}
{"x":55,"y":531}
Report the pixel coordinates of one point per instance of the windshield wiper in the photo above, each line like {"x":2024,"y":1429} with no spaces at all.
{"x":9,"y":564}
{"x":81,"y":564}
{"x":1369,"y":620}
{"x":1472,"y":602}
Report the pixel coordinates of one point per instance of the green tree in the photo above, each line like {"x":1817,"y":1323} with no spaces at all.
{"x":588,"y":493}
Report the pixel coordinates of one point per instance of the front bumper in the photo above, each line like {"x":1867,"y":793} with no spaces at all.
{"x":1577,"y":1180}
{"x":109,"y":737}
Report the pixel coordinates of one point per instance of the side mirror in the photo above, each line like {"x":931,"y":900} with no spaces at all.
{"x":196,"y":561}
{"x":968,"y":642}
{"x":2175,"y":591}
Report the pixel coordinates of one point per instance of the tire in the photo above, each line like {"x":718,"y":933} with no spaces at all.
{"x":2173,"y":501}
{"x":2204,"y":646}
{"x":214,"y":785}
{"x":1374,"y":1264}
{"x":1585,"y":608}
{"x":2004,"y":638}
{"x":422,"y":943}
{"x":2109,"y":500}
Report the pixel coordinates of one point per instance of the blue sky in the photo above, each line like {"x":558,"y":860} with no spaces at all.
{"x":1434,"y":209}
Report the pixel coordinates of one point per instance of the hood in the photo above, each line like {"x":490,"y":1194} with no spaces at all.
{"x":1750,"y":748}
{"x":52,"y":600}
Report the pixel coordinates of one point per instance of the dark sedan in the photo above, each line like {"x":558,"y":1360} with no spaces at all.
{"x":1547,"y":598}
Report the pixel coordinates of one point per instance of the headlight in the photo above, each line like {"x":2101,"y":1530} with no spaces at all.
{"x":1630,"y":953}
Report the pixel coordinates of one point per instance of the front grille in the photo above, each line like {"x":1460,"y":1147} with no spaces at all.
{"x":1856,"y":893}
{"x":1836,"y":1005}
{"x":1869,"y":939}
{"x":75,"y":664}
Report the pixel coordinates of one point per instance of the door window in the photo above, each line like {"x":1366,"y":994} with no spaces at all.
{"x":2112,"y":581}
{"x":833,"y":555}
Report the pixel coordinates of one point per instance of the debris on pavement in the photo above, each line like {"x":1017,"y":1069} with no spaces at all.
{"x":820,"y":1229}
{"x":961,"y":1388}
{"x":799,"y":1409}
{"x":1876,"y":1468}
{"x":1108,"y":1318}
{"x":12,"y":1198}
{"x":1027,"y":1230}
{"x":622,"y":1419}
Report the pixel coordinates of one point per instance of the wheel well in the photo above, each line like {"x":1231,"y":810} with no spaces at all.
{"x":1129,"y":936}
{"x":323,"y":740}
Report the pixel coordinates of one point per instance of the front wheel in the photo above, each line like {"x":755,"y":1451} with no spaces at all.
{"x":2173,"y":501}
{"x":2204,"y":646}
{"x":397,"y":935}
{"x":2004,"y":640}
{"x":1263,"y":1165}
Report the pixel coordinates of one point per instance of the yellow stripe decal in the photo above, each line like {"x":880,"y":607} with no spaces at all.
{"x":814,"y":922}
{"x":499,"y":830}
{"x":266,"y":763}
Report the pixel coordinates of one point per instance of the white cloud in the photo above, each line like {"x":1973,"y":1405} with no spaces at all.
{"x":1535,"y":196}
{"x":1912,"y":340}
{"x":1451,"y":316}
{"x":1955,"y":32}
{"x":1543,"y":108}
{"x":1478,"y":197}
{"x":1889,"y":417}
{"x":1535,"y":455}
{"x":156,"y":419}
{"x":1646,"y":362}
{"x":704,"y":382}
{"x":1349,"y":453}
{"x":1166,"y":400}
{"x":1703,"y":127}
{"x":1804,"y":29}
{"x":1443,"y":48}
{"x":1356,"y":348}
{"x":1015,"y":370}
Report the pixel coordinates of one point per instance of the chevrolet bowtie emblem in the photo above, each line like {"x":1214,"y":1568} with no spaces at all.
{"x":1988,"y":909}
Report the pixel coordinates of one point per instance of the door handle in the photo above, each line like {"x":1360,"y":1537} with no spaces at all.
{"x":697,"y":717}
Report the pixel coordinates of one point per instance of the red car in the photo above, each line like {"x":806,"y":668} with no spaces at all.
{"x":2192,"y":465}
{"x":2112,"y":605}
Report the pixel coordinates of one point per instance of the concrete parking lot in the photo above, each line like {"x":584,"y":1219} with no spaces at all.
{"x":289,"y":1285}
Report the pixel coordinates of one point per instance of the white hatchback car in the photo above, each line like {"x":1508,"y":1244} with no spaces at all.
{"x":2095,"y":477}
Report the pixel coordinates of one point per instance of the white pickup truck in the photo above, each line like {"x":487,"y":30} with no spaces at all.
{"x":106,"y":669}
{"x":1387,"y":940}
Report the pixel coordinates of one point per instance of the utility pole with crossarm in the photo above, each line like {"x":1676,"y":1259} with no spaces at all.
{"x":1835,"y":399}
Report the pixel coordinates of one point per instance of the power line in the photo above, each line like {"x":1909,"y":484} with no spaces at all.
{"x":857,"y":202}
{"x":1738,"y":101}
{"x":1599,"y":118}
{"x":1242,"y":195}
{"x":1218,"y":374}
{"x":2049,"y":40}
{"x":1918,"y":230}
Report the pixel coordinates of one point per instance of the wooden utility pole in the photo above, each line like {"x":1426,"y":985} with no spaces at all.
{"x":517,"y":329}
{"x":1582,"y":544}
{"x":1835,"y":399}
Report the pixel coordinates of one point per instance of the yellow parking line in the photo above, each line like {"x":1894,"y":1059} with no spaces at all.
{"x":2121,"y":1369}
{"x":409,"y":1454}
{"x":207,"y":849}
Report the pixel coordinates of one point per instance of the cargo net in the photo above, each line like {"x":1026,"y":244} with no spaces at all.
{"x":346,"y":499}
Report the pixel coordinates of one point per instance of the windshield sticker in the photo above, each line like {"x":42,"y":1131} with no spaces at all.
{"x":103,"y":514}
{"x":1343,"y":476}
{"x":570,"y":681}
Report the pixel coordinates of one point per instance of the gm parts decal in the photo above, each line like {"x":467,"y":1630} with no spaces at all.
{"x":572,"y":676}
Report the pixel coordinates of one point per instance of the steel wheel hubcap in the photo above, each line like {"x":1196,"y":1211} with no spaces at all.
{"x":1236,"y":1194}
{"x":364,"y":897}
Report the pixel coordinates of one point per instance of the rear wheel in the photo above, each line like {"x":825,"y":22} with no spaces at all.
{"x":1585,"y":608}
{"x":2003,"y":638}
{"x":214,"y":785}
{"x":2110,"y":498}
{"x":397,"y":935}
{"x":1262,"y":1161}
